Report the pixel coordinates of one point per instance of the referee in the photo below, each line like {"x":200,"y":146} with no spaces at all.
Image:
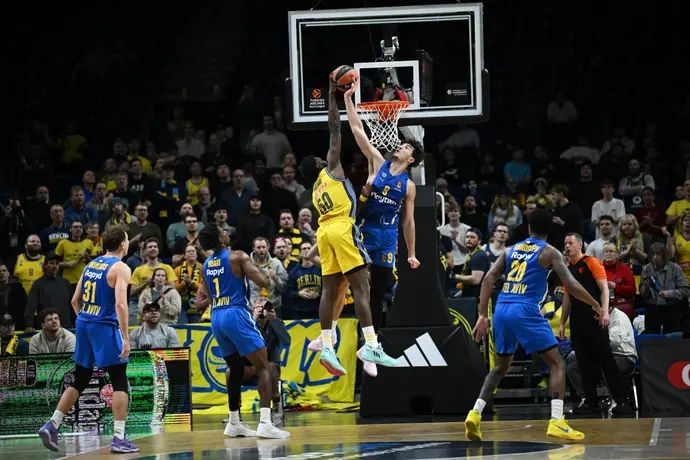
{"x":589,"y":330}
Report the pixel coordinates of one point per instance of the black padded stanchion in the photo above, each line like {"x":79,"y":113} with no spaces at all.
{"x":440,"y":367}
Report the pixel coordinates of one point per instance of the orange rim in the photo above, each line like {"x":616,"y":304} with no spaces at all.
{"x":386,"y":110}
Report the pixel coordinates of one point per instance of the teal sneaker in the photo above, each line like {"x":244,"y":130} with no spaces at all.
{"x":329,"y":360}
{"x":376,"y":355}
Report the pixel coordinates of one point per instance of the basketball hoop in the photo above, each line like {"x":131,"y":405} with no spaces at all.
{"x":381,"y":118}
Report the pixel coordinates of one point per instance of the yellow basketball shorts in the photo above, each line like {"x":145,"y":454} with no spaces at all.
{"x":340,"y":247}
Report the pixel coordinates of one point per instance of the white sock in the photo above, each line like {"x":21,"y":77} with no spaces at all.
{"x":327,"y":338}
{"x":556,"y":408}
{"x":334,"y":328}
{"x":234,"y":416}
{"x":57,"y":418}
{"x":370,"y":336}
{"x":479,"y":405}
{"x":120,"y":429}
{"x":265,"y":415}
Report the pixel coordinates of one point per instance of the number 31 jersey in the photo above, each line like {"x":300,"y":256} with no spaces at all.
{"x":526,"y":280}
{"x":333,"y":197}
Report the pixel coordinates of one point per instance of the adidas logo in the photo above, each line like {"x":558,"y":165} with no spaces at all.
{"x":424,"y":353}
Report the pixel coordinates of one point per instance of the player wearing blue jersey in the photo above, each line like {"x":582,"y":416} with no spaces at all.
{"x":100,"y":301}
{"x":517,"y":319}
{"x":234,"y":327}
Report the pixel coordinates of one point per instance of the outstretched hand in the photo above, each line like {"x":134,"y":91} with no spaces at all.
{"x":351,"y":90}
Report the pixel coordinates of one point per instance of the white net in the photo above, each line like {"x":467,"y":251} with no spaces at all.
{"x":382,"y":120}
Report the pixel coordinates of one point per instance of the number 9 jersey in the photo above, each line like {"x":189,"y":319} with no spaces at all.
{"x":340,"y":241}
{"x":526,"y":279}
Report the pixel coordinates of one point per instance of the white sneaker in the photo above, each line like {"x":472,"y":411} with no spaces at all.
{"x":266,"y":430}
{"x":317,"y":343}
{"x":238,"y":429}
{"x":369,"y":368}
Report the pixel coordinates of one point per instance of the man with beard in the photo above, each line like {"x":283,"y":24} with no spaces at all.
{"x":53,"y":338}
{"x":476,"y":266}
{"x":76,"y":210}
{"x":29,"y":266}
{"x":274,"y":271}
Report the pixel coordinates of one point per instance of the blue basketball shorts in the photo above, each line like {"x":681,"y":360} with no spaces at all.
{"x":98,"y":344}
{"x":515,"y":323}
{"x":235,"y":331}
{"x":381,"y":244}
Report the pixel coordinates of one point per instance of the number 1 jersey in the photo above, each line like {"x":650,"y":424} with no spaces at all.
{"x":227,"y":290}
{"x":526,"y":280}
{"x":333,"y":197}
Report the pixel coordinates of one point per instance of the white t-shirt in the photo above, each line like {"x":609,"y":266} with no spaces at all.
{"x":459,"y":257}
{"x":614,"y":208}
{"x":596,"y":248}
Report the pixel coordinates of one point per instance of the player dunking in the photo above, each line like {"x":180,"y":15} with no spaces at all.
{"x":517,"y":319}
{"x":343,"y":257}
{"x":234,"y":328}
{"x":389,"y":187}
{"x":100,"y":301}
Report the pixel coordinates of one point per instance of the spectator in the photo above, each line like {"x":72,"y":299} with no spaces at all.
{"x":237,"y":199}
{"x":608,"y":205}
{"x":195,"y":182}
{"x":304,"y":288}
{"x":504,"y":211}
{"x":270,"y":267}
{"x":204,"y":210}
{"x":678,"y":245}
{"x":665,"y":290}
{"x":493,"y":250}
{"x":142,"y":275}
{"x":631,"y":244}
{"x":581,"y":152}
{"x":56,"y":231}
{"x":168,"y":299}
{"x":255,"y":224}
{"x":75,"y":209}
{"x":141,"y":229}
{"x":606,"y":230}
{"x":631,"y":186}
{"x":191,"y":238}
{"x":676,"y":209}
{"x":584,"y":188}
{"x":456,"y":231}
{"x":471,"y":216}
{"x":12,"y":296}
{"x":178,"y":230}
{"x":567,"y":216}
{"x":220,"y":216}
{"x":279,"y":199}
{"x":621,"y":281}
{"x":223,"y":181}
{"x":281,"y":249}
{"x":470,"y":281}
{"x":291,"y":185}
{"x":169,"y":197}
{"x":10,"y":344}
{"x":153,"y":333}
{"x":72,"y":145}
{"x":619,"y":137}
{"x":651,"y":216}
{"x":53,"y":338}
{"x":190,"y":145}
{"x":304,"y":223}
{"x":518,"y":172}
{"x":138,"y":257}
{"x":50,"y":291}
{"x":561,"y":111}
{"x":122,"y":192}
{"x":99,"y":202}
{"x":287,"y":229}
{"x":74,"y":254}
{"x":188,"y":280}
{"x":270,"y":143}
{"x":118,"y":214}
{"x":29,"y":266}
{"x":135,"y":154}
{"x":541,"y":163}
{"x":543,"y":198}
{"x":38,"y":210}
{"x":141,"y":187}
{"x":521,"y":232}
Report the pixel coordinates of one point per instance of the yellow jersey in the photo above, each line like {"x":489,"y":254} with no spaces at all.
{"x":193,"y":190}
{"x":143,"y":274}
{"x":683,"y":254}
{"x":27,"y":271}
{"x":333,"y":198}
{"x":71,"y":251}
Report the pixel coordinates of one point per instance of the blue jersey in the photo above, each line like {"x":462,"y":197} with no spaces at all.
{"x":526,"y":279}
{"x":98,"y":298}
{"x":227,"y":290}
{"x":387,"y":195}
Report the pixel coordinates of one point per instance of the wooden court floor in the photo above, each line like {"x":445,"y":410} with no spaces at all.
{"x":336,"y":437}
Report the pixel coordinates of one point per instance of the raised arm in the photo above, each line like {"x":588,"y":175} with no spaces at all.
{"x":494,"y":273}
{"x":409,"y":225}
{"x":369,"y":151}
{"x":335,"y":167}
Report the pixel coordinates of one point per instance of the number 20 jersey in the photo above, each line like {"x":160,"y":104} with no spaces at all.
{"x":525,"y":278}
{"x":333,"y":197}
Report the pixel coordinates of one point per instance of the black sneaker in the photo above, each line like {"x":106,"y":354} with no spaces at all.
{"x":623,"y":408}
{"x":586,"y":407}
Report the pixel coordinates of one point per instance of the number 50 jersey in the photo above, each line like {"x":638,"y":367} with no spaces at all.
{"x":526,"y":279}
{"x":333,"y":197}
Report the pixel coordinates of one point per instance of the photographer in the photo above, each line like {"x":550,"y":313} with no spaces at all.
{"x":153,"y":334}
{"x":275,"y":336}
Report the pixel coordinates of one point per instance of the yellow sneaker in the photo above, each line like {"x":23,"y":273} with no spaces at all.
{"x":472,"y":426}
{"x":560,"y":429}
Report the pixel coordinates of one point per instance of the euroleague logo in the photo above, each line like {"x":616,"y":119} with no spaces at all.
{"x":679,"y":375}
{"x":316,"y":93}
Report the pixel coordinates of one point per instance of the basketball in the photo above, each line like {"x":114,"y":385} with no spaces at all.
{"x":344,"y":76}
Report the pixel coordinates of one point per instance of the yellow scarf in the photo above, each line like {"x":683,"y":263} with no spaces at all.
{"x":12,"y":346}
